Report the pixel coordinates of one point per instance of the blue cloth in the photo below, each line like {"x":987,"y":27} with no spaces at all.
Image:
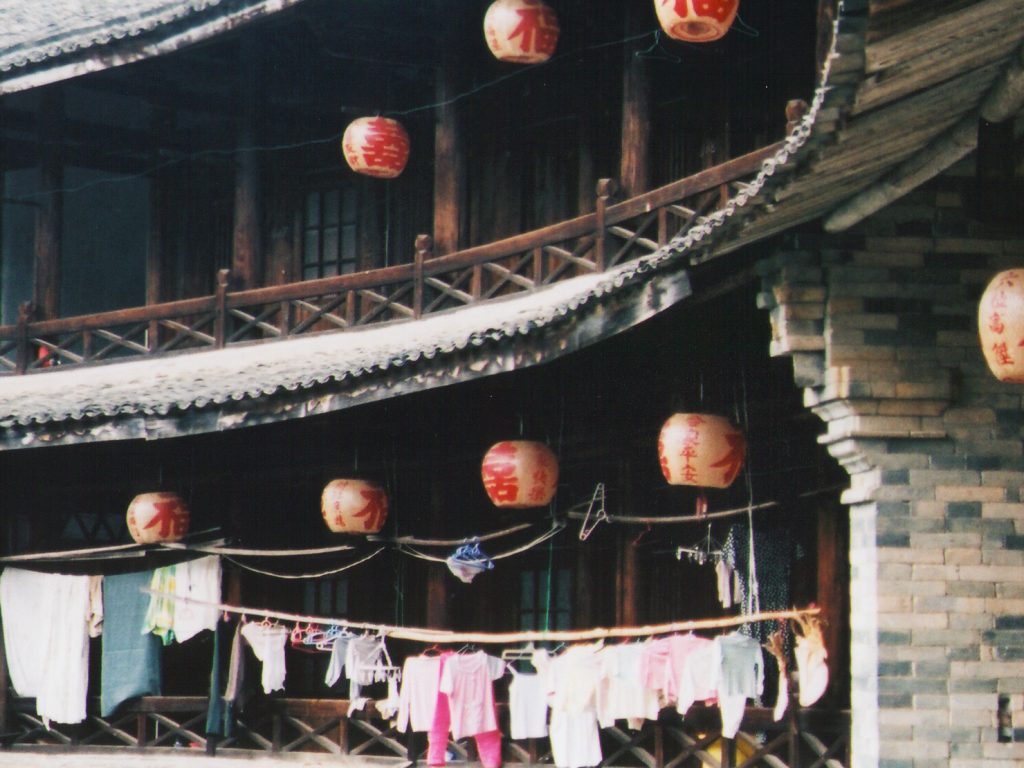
{"x":131,"y":659}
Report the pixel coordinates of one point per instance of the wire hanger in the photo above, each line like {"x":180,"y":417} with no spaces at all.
{"x":588,"y":525}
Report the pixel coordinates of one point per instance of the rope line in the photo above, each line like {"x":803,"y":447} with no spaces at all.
{"x":554,"y":529}
{"x":422,"y":634}
{"x":317,"y":575}
{"x":450,"y":542}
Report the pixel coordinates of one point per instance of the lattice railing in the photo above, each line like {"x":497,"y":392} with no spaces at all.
{"x":612,"y":234}
{"x":804,"y":739}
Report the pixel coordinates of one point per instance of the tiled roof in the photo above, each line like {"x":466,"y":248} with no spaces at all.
{"x":43,"y":41}
{"x":35,"y":30}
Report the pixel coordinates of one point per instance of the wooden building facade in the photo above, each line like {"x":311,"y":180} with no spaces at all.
{"x":198,"y":295}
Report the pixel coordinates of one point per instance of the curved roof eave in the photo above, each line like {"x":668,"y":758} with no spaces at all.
{"x":46,"y":41}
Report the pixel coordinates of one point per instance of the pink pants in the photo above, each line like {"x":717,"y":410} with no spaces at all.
{"x":488,"y":745}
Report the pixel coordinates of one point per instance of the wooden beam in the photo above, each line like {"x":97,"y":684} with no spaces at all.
{"x":1006,"y":98}
{"x":1003,"y":100}
{"x":246,"y":245}
{"x":50,"y":213}
{"x":634,"y":169}
{"x":449,"y":178}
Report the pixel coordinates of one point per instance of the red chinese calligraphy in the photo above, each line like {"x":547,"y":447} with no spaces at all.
{"x":731,"y":462}
{"x":375,"y":510}
{"x":171,"y":517}
{"x":996,"y":324}
{"x":720,"y":10}
{"x":537,"y":29}
{"x":499,"y":473}
{"x":1002,"y":353}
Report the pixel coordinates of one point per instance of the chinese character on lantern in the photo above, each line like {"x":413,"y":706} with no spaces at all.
{"x":696,"y":21}
{"x":354,"y":506}
{"x":376,"y":146}
{"x":1001,"y":325}
{"x":521,"y":31}
{"x":519,"y":474}
{"x":700,"y":449}
{"x":157,"y":517}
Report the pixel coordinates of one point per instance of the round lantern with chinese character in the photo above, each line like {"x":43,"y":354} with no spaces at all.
{"x":157,"y":517}
{"x":521,"y":31}
{"x":376,"y":146}
{"x":696,"y":21}
{"x":700,"y":449}
{"x":519,"y":474}
{"x":354,"y":506}
{"x":1001,"y":325}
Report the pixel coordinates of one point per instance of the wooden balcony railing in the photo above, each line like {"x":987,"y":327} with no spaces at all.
{"x":802,"y":739}
{"x":612,"y":234}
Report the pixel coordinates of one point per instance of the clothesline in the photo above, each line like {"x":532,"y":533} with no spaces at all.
{"x":317,"y":575}
{"x":553,"y":530}
{"x":426,"y":635}
{"x":651,"y":520}
{"x":400,"y":540}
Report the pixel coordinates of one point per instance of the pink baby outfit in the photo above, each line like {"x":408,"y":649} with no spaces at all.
{"x":465,"y":706}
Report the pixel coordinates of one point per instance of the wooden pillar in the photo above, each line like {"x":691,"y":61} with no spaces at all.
{"x":246,"y":244}
{"x":833,"y":589}
{"x":437,"y":587}
{"x":627,"y":586}
{"x":449,"y":176}
{"x":50,"y":213}
{"x":634,"y":174}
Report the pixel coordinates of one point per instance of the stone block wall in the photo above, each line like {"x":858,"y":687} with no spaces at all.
{"x":880,"y":324}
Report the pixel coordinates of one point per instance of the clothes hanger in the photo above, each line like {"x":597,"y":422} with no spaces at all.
{"x":522,"y":653}
{"x":600,"y":514}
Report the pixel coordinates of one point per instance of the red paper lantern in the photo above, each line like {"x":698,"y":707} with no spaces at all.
{"x":700,"y":449}
{"x":156,"y":517}
{"x":696,"y":21}
{"x":521,"y":31}
{"x":354,"y":506}
{"x":1001,"y":325}
{"x":376,"y":146}
{"x":519,"y":474}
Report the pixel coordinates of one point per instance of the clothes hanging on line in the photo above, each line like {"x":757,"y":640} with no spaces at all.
{"x":738,"y":665}
{"x":488,"y":742}
{"x":621,"y":694}
{"x":46,"y":637}
{"x":267,"y":642}
{"x":130,"y":658}
{"x":527,"y":706}
{"x":571,"y":681}
{"x":185,"y":599}
{"x":421,"y":676}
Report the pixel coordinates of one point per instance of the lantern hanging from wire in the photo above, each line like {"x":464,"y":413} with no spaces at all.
{"x":1001,"y":325}
{"x":521,"y":31}
{"x":696,"y":21}
{"x":519,"y":474}
{"x":376,"y":146}
{"x":700,"y":449}
{"x":354,"y":506}
{"x":157,"y":517}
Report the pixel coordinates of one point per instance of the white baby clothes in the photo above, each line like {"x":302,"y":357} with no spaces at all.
{"x":621,"y":694}
{"x":417,"y":698}
{"x":527,"y":706}
{"x":46,"y":635}
{"x":571,"y":681}
{"x":739,"y":668}
{"x":267,"y":642}
{"x":364,"y":664}
{"x":197,"y":580}
{"x":469,"y":682}
{"x":693,"y":669}
{"x":339,"y":650}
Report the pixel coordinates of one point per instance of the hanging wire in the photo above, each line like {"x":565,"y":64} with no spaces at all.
{"x":552,"y":531}
{"x":316,"y":575}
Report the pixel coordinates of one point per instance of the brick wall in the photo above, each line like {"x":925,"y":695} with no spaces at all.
{"x":880,"y":325}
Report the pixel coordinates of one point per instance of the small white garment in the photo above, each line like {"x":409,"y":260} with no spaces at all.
{"x":571,"y":682}
{"x":46,"y":635}
{"x":738,"y":665}
{"x":95,"y":606}
{"x":267,"y":642}
{"x":527,"y":706}
{"x":366,"y":661}
{"x":782,"y":702}
{"x":197,"y":580}
{"x":337,"y":664}
{"x":812,"y":669}
{"x":622,"y":694}
{"x":696,"y":675}
{"x":417,"y":699}
{"x":724,"y":578}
